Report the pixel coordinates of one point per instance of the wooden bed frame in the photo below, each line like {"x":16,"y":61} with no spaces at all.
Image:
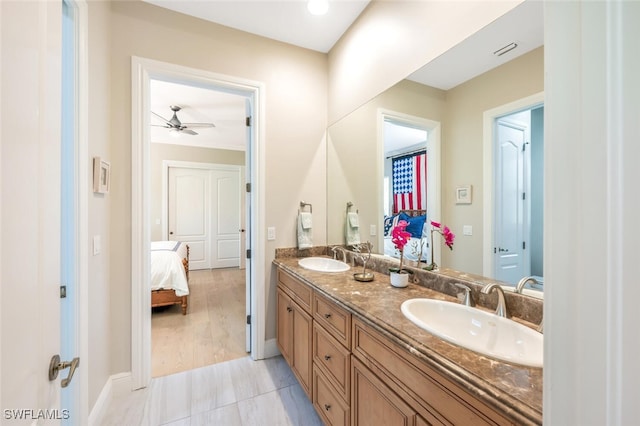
{"x":168,"y":297}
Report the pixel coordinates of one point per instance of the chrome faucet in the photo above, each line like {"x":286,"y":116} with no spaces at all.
{"x":468,"y":299}
{"x":337,"y":249}
{"x":524,"y":282}
{"x":501,"y":309}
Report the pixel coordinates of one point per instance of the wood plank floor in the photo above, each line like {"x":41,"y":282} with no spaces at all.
{"x":213,"y":330}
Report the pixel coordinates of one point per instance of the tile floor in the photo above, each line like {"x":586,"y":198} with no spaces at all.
{"x":240,"y":392}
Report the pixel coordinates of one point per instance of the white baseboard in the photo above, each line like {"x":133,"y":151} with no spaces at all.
{"x":115,"y":385}
{"x":271,"y":348}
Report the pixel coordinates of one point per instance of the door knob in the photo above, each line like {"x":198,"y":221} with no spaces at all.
{"x":170,"y":232}
{"x":55,"y":366}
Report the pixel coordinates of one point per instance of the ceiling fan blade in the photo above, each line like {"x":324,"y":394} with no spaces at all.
{"x":201,"y":125}
{"x":161,"y":125}
{"x":163,"y":119}
{"x":189,"y":132}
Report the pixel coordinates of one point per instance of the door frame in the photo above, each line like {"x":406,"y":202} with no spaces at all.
{"x":167,"y":164}
{"x":434,"y":178}
{"x":142,"y":71}
{"x":489,"y":118}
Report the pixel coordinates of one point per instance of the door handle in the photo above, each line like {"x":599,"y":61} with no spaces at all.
{"x":55,"y":366}
{"x":170,"y":232}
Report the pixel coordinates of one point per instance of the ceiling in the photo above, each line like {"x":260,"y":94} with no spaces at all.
{"x":290,"y":22}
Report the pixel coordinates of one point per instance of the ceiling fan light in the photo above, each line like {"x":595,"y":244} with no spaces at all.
{"x":318,"y":7}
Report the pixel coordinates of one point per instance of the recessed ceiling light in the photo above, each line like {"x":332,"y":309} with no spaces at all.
{"x":318,"y":7}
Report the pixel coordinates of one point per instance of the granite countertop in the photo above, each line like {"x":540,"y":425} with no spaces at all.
{"x":512,"y":389}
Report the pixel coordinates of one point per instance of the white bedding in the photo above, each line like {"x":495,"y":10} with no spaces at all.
{"x":167,"y":270}
{"x":390,"y":249}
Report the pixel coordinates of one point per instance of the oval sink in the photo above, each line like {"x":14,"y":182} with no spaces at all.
{"x":323,"y":264}
{"x":480,"y":331}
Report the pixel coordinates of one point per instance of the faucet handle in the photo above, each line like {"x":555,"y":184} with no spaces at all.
{"x":468,"y":299}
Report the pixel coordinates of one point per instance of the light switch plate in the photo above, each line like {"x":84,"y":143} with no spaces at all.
{"x":372,"y":230}
{"x":467,"y":230}
{"x":96,"y":245}
{"x":271,"y":233}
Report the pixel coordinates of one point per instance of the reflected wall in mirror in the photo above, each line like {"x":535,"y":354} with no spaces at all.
{"x":355,"y":152}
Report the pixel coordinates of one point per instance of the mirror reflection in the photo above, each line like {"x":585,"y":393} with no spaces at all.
{"x":498,"y":223}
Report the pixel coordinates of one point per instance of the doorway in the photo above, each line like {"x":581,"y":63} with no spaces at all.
{"x":514,"y":147}
{"x":143,"y":72}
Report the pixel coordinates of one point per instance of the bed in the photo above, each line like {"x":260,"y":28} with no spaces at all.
{"x":419,"y":233}
{"x":169,"y":274}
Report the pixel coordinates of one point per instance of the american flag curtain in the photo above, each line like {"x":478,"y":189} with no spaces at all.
{"x":410,"y":182}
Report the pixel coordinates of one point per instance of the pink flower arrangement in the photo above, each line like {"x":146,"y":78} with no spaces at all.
{"x":448,"y":236}
{"x":445,"y":232}
{"x":400,"y":238}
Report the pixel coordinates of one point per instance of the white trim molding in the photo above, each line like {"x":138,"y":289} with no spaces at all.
{"x":142,"y":71}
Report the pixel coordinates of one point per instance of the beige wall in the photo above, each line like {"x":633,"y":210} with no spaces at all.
{"x":161,"y":151}
{"x":296,"y":96}
{"x":98,"y":367}
{"x":462,"y":147}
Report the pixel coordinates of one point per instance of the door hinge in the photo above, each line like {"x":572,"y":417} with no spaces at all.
{"x":248,"y":186}
{"x":524,"y":245}
{"x":248,"y":253}
{"x":63,"y":291}
{"x":248,"y":121}
{"x":248,"y":319}
{"x":524,"y":195}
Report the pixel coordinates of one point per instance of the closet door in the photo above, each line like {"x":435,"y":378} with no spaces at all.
{"x":189,"y":213}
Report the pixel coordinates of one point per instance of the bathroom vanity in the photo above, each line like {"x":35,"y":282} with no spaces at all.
{"x":361,"y":362}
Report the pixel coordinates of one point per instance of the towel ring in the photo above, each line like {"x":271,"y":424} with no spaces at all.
{"x":303,"y":205}
{"x":349,"y":205}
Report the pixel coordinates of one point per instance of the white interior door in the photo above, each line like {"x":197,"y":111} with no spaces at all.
{"x":225,"y":205}
{"x":510,"y":202}
{"x":30,"y":209}
{"x":189,"y":213}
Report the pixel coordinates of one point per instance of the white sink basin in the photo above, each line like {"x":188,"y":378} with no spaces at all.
{"x":480,"y":331}
{"x":323,"y":264}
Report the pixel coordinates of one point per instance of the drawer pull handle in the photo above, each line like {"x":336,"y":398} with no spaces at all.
{"x":327,"y":357}
{"x":327,"y":316}
{"x":327,"y":407}
{"x":289,"y":309}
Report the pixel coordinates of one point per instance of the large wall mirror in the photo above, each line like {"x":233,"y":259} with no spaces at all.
{"x":463,"y":125}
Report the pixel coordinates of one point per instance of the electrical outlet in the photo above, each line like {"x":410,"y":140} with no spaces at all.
{"x":372,"y":230}
{"x":271,"y":233}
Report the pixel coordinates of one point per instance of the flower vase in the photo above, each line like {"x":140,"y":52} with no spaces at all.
{"x":399,"y":279}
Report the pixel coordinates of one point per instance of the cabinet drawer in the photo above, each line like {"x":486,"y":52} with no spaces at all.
{"x":333,"y":359}
{"x":330,"y":407}
{"x":298,"y":291}
{"x":419,"y":381}
{"x":335,"y":320}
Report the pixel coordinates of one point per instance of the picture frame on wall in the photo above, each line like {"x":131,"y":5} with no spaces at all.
{"x":101,"y":175}
{"x":463,"y":194}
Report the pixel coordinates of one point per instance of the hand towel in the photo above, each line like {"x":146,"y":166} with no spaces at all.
{"x":352,"y":231}
{"x":305,"y":224}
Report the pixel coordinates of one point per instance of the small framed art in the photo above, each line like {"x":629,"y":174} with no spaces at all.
{"x":463,"y":194}
{"x":101,"y":175}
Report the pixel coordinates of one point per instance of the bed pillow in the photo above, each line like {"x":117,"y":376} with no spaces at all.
{"x":416,"y":225}
{"x":391,"y":221}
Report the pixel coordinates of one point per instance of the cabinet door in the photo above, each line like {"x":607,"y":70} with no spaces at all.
{"x":285,"y":323}
{"x":373,"y":403}
{"x":301,"y":355}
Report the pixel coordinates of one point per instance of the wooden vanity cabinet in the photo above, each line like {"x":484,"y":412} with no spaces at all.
{"x":354,"y":374}
{"x":294,"y":328}
{"x":401,"y":375}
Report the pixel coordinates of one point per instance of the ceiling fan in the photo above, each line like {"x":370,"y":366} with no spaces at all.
{"x":175,"y":126}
